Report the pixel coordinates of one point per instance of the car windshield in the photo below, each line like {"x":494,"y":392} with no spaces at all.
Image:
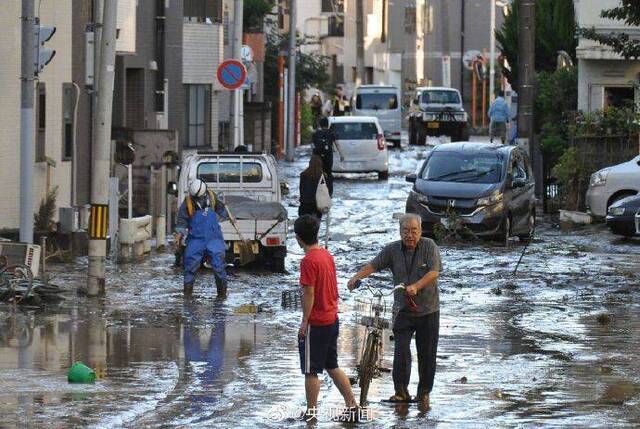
{"x":355,"y":130}
{"x":470,"y":167}
{"x":229,"y":172}
{"x":440,"y":97}
{"x":377,"y":101}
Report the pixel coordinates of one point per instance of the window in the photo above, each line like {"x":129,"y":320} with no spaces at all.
{"x":332,"y":6}
{"x":469,"y":167}
{"x":68,"y":106}
{"x":618,"y":96}
{"x":440,"y":97}
{"x":410,"y":20}
{"x":198,"y":115}
{"x":230,"y":172}
{"x":379,"y":101}
{"x":41,"y":121}
{"x":336,"y":26}
{"x":355,"y":130}
{"x":203,"y":10}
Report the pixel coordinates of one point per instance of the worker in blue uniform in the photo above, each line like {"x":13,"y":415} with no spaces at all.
{"x":198,"y":221}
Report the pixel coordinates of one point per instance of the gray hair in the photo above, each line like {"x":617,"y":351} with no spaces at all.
{"x":409,"y":217}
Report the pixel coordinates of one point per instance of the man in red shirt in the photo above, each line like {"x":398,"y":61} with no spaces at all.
{"x":318,"y":334}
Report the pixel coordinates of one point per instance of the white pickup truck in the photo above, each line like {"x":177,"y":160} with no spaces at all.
{"x":248,"y":184}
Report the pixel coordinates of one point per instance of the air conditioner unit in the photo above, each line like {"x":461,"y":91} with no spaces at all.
{"x":23,"y":254}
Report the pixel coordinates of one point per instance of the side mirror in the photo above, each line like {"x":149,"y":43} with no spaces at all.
{"x":411,"y":178}
{"x":284,"y":188}
{"x":518,"y":183}
{"x":172,"y":189}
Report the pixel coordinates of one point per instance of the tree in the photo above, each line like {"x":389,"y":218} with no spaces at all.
{"x":311,"y":68}
{"x":555,"y":31}
{"x":254,"y":13}
{"x":620,"y":42}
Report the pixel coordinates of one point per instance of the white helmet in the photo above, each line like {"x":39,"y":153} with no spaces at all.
{"x":197,"y":188}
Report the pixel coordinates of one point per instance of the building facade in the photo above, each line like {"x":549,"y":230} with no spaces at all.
{"x":604,"y":77}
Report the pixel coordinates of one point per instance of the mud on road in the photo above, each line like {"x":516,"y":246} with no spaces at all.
{"x":554,"y":345}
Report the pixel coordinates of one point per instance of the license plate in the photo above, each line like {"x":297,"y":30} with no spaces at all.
{"x":254,"y":247}
{"x":433,"y":125}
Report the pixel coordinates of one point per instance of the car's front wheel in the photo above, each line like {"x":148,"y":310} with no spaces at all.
{"x":505,"y":231}
{"x":383,"y":175}
{"x":531,"y":224}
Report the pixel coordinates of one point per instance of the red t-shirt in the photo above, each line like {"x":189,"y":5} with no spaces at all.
{"x":317,"y":269}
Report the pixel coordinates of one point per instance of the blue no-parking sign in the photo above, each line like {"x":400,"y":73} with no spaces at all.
{"x":232,"y":74}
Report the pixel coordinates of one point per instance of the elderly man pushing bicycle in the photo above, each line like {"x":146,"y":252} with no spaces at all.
{"x":415,"y":262}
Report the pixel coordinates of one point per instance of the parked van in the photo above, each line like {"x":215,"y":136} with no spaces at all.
{"x":384,"y":103}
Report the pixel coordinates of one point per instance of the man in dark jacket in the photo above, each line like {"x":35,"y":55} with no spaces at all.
{"x":323,"y":143}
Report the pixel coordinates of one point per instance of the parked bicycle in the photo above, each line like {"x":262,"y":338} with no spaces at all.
{"x":369,"y":363}
{"x":16,"y":281}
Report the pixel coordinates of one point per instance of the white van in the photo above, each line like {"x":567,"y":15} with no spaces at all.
{"x":362,"y":144}
{"x":384,"y":103}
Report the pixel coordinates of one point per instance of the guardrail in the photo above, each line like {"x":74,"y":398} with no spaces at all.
{"x":135,"y":236}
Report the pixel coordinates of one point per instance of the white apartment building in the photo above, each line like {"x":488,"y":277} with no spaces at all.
{"x":54,"y":95}
{"x":604,"y":77}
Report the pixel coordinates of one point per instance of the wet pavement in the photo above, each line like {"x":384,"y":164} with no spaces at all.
{"x":554,"y":345}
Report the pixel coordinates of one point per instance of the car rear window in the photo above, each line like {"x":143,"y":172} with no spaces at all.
{"x":440,"y":97}
{"x":355,"y":130}
{"x":229,"y":172}
{"x":377,"y":101}
{"x":468,"y":167}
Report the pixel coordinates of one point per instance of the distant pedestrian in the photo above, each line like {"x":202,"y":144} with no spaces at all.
{"x":499,"y":117}
{"x":309,"y":180}
{"x":340,"y":103}
{"x":316,"y":109}
{"x":319,"y":329}
{"x":323,"y":143}
{"x":415,"y":262}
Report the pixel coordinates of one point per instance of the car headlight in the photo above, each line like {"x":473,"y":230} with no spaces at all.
{"x":419,"y":197}
{"x":461,"y":117}
{"x":429,"y":117}
{"x":616,"y":211}
{"x":490,"y":200}
{"x":599,"y":178}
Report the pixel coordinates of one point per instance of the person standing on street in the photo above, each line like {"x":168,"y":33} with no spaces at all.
{"x":309,"y":180}
{"x":499,"y":117}
{"x":415,"y":262}
{"x":318,"y":333}
{"x":316,"y":109}
{"x":198,"y":221}
{"x":324,"y":141}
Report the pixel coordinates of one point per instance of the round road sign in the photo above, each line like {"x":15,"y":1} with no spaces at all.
{"x":231,"y":74}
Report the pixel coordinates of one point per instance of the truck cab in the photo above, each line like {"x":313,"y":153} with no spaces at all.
{"x":437,"y":111}
{"x":248,"y":184}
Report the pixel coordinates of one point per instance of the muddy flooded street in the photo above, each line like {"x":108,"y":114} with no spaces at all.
{"x":555,"y":344}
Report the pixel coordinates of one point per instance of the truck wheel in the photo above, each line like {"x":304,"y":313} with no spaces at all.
{"x":277,"y":264}
{"x":422,"y":135}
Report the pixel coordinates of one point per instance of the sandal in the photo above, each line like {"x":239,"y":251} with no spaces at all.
{"x":399,"y":399}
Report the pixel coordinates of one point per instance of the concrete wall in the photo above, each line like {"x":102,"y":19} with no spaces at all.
{"x":55,"y":74}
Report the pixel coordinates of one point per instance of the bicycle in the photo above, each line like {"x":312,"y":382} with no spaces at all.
{"x":368,"y":366}
{"x":16,"y":281}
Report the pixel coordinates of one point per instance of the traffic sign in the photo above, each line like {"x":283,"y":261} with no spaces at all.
{"x":231,"y":74}
{"x":246,"y":53}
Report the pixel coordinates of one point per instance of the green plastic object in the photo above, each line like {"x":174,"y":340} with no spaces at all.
{"x":80,"y":373}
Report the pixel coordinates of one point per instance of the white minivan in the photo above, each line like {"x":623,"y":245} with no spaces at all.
{"x":383,"y":102}
{"x":361,"y":142}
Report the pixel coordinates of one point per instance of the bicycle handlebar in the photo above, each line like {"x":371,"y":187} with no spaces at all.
{"x":376,"y":293}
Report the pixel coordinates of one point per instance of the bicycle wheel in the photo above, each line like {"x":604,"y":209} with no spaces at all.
{"x":18,"y":280}
{"x":368,"y":367}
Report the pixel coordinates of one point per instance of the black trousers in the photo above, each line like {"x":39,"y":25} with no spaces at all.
{"x":426,"y":329}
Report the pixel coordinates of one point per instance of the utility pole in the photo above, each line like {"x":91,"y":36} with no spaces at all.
{"x":101,"y":153}
{"x":359,"y":43}
{"x":462,"y":30}
{"x":27,"y":129}
{"x":526,"y":85}
{"x":291,"y":102}
{"x":238,"y":117}
{"x":492,"y":52}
